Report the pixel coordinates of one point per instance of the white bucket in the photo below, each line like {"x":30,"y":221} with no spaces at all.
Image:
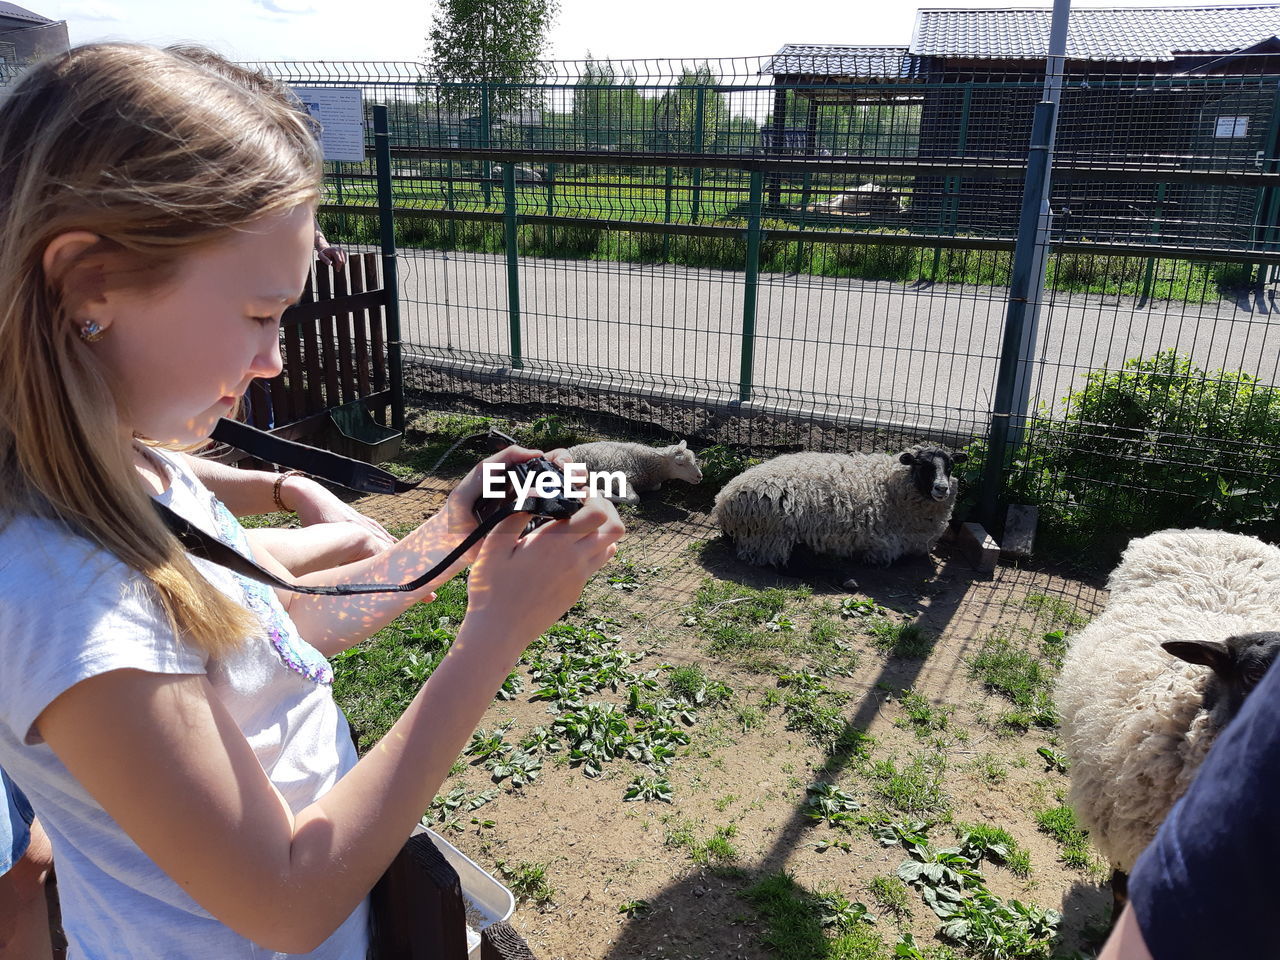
{"x":488,"y":901}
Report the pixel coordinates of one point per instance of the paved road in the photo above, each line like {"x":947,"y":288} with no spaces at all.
{"x":892,"y":352}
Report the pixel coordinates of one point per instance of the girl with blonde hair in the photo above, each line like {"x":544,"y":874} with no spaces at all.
{"x":171,"y":721}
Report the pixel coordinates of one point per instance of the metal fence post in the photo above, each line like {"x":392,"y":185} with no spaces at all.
{"x":666,"y":214}
{"x":1026,"y":261}
{"x":486,"y":137}
{"x":698,"y":121}
{"x":749,"y":294}
{"x":513,"y":261}
{"x":387,"y":230}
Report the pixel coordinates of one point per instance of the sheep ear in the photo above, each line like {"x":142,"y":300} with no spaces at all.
{"x":1209,"y":653}
{"x":907,"y":458}
{"x":959,"y":457}
{"x":682,"y":445}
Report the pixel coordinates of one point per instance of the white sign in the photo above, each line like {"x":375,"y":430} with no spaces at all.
{"x":1232,"y":127}
{"x":340,"y":113}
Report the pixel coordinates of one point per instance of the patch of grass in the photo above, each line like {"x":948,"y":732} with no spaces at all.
{"x":375,"y":680}
{"x":715,"y":849}
{"x":921,"y":715}
{"x":1053,"y":610}
{"x":915,"y":788}
{"x":891,"y":893}
{"x":528,"y":881}
{"x":792,"y":921}
{"x":1019,"y":675}
{"x":990,"y":769}
{"x":1061,"y":824}
{"x":690,"y":684}
{"x":901,"y":639}
{"x":1016,"y":857}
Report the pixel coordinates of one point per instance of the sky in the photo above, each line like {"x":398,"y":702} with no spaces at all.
{"x":395,"y":29}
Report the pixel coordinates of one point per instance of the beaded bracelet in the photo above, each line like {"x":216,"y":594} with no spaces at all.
{"x":275,"y":490}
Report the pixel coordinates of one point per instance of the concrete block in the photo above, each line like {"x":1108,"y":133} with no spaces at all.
{"x":979,"y":546}
{"x":1020,"y":530}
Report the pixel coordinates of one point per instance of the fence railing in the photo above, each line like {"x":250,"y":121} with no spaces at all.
{"x":826,"y":250}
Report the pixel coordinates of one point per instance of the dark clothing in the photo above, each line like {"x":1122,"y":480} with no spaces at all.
{"x":1206,"y":888}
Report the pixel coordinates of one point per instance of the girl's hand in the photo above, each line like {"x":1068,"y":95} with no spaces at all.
{"x":521,"y":586}
{"x":457,"y":509}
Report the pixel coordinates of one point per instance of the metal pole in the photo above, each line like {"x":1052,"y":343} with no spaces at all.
{"x":666,"y":214}
{"x":486,"y":137}
{"x":387,"y":229}
{"x":513,"y":261}
{"x":1027,"y":283}
{"x":749,"y":294}
{"x":698,"y":120}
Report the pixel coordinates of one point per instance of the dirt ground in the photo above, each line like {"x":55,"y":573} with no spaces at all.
{"x":601,"y":853}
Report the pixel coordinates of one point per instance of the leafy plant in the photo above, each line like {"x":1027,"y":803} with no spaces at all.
{"x":523,"y":768}
{"x":828,"y":804}
{"x":528,"y":881}
{"x":649,"y":788}
{"x":1053,"y":760}
{"x":633,"y":908}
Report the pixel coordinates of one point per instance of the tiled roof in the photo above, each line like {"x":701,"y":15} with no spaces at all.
{"x":1094,"y":33}
{"x":837,"y":60}
{"x":14,"y":12}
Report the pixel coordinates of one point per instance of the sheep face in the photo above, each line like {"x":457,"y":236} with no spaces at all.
{"x":683,"y":464}
{"x":931,"y":470}
{"x":1239,"y":663}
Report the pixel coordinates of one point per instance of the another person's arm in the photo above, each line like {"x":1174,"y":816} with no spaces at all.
{"x":1125,"y":942}
{"x":333,"y":532}
{"x":335,"y":257}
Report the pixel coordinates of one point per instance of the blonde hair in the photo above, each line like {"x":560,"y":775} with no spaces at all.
{"x":159,"y":154}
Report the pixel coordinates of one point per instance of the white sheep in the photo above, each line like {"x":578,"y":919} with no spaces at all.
{"x":867,"y":198}
{"x":1137,"y":720}
{"x":646,"y":468}
{"x":872,"y":506}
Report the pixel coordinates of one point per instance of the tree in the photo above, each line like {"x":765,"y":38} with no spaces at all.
{"x":694,"y":103}
{"x":499,"y":42}
{"x":608,"y":109}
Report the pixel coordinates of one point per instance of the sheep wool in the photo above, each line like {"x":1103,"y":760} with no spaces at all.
{"x":646,"y":468}
{"x":858,"y":505}
{"x":1133,"y":723}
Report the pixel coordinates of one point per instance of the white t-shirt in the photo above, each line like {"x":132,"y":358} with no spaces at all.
{"x":69,"y":611}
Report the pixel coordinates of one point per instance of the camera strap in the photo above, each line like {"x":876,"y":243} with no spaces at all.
{"x":354,"y":475}
{"x":344,"y":471}
{"x":200,"y":544}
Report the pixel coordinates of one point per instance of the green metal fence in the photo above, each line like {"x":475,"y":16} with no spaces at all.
{"x":786,"y":253}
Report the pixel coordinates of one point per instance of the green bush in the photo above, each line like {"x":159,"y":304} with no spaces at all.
{"x":1159,"y":443}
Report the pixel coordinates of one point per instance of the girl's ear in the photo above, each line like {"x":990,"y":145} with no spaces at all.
{"x":67,"y":266}
{"x":64,"y":251}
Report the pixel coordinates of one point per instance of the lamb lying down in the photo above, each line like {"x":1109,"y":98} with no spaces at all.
{"x":646,"y":468}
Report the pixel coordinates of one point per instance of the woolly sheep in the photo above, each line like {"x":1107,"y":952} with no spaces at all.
{"x":872,"y":506}
{"x":867,"y":198}
{"x":1136,"y":722}
{"x":646,"y":468}
{"x":523,"y":173}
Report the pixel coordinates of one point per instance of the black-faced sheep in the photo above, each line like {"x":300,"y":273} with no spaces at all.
{"x":646,"y":468}
{"x":875,"y":507}
{"x":1136,"y":722}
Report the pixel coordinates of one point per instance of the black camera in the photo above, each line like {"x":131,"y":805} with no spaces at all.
{"x":543,"y":487}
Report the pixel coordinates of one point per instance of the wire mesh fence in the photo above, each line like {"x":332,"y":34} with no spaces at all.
{"x":816,"y":251}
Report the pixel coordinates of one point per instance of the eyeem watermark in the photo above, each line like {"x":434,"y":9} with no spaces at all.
{"x":576,"y":483}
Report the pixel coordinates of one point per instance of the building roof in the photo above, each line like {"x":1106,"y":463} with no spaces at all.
{"x":840,"y":60}
{"x":1156,"y":34}
{"x":12,"y":11}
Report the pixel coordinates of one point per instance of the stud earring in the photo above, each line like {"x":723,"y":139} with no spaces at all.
{"x":92,"y":331}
